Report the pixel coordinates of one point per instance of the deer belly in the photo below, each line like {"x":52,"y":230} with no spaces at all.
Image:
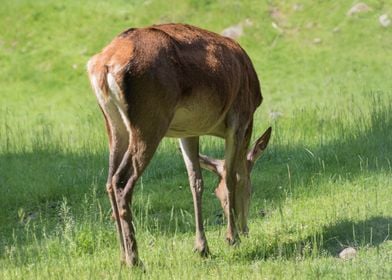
{"x":189,"y":122}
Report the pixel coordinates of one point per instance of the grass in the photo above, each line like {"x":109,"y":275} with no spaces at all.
{"x":324,"y":183}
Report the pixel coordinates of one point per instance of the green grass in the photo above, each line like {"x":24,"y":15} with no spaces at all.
{"x":324,"y":183}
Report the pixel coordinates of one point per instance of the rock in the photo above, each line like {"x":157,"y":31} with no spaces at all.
{"x":348,"y":253}
{"x":275,"y":115}
{"x":233,"y":32}
{"x":358,"y":8}
{"x":384,"y":20}
{"x":237,"y":30}
{"x":298,"y":7}
{"x":317,"y":40}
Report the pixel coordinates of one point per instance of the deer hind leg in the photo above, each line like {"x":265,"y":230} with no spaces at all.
{"x":190,"y":153}
{"x":135,"y":160}
{"x":146,"y":130}
{"x":118,"y":143}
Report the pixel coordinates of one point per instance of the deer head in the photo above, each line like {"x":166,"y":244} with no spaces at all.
{"x":243,"y":187}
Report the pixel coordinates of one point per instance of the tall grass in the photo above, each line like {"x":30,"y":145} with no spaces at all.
{"x":323,"y":184}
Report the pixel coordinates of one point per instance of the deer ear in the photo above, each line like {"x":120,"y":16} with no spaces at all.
{"x":259,"y":146}
{"x":211,"y":164}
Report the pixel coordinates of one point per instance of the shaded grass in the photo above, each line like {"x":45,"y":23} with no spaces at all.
{"x":316,"y":203}
{"x":323,"y":184}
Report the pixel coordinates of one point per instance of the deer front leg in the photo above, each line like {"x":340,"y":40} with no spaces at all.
{"x":190,"y":153}
{"x":233,"y":147}
{"x":237,"y":142}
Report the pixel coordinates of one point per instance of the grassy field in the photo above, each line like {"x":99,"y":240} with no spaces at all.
{"x":325,"y":182}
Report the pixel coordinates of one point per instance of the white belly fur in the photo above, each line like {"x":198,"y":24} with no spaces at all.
{"x":200,"y":118}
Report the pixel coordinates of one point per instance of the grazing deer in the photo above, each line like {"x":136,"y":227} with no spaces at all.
{"x":180,"y":81}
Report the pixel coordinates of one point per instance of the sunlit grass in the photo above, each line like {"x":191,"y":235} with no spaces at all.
{"x":323,"y":184}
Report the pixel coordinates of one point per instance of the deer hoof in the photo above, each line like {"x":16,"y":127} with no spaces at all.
{"x":201,"y":247}
{"x":137,"y":263}
{"x":233,"y":241}
{"x":203,"y":251}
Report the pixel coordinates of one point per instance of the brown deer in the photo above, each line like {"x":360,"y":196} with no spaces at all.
{"x":176,"y":80}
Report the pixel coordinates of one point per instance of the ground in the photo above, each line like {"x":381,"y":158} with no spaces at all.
{"x":323,"y":184}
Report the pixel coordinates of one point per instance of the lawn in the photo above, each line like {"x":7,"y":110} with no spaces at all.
{"x":324,"y":183}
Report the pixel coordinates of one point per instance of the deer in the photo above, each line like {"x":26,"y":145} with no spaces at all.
{"x":179,"y":81}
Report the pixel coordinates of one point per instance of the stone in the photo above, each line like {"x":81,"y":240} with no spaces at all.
{"x":317,"y":40}
{"x":384,"y":20}
{"x":348,"y":253}
{"x":275,"y":115}
{"x":358,"y":8}
{"x":237,"y":30}
{"x":298,"y":7}
{"x":233,"y":32}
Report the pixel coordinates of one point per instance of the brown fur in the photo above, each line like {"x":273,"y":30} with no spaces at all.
{"x":181,"y":81}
